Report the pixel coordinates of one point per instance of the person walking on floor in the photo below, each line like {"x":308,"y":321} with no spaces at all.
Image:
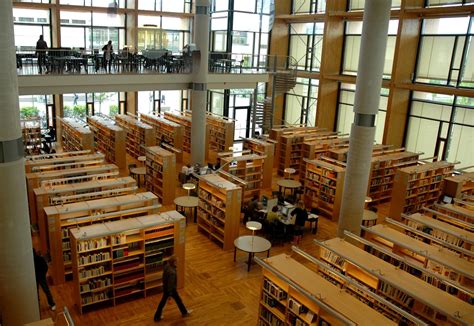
{"x":41,"y":47}
{"x":41,"y":268}
{"x":300,"y":220}
{"x":169,"y":290}
{"x":108,"y":50}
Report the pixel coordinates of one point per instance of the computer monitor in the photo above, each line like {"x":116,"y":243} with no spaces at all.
{"x":271,"y":203}
{"x":264,"y":201}
{"x":447,"y":199}
{"x":284,"y":211}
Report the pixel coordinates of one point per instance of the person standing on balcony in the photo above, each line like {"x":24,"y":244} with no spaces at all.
{"x":108,"y":50}
{"x":41,"y":47}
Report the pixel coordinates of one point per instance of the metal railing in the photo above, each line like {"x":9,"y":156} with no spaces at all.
{"x":66,"y":61}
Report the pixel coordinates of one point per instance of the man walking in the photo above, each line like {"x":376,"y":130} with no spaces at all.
{"x":169,"y":290}
{"x":41,"y":47}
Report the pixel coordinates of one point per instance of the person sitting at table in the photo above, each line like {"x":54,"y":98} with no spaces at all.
{"x":273,"y":215}
{"x":300,"y":220}
{"x":250,"y":212}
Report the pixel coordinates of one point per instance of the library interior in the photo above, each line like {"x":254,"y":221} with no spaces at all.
{"x":268,"y":162}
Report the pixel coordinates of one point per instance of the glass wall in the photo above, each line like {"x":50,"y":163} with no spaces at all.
{"x":345,"y":111}
{"x":29,"y":24}
{"x":37,"y":106}
{"x":442,"y":126}
{"x":308,"y":6}
{"x":446,"y":54}
{"x":162,"y":101}
{"x":112,"y":4}
{"x":158,"y":32}
{"x":306,"y":44}
{"x":439,"y":3}
{"x":79,"y":105}
{"x":92,"y":30}
{"x":301,"y":102}
{"x":359,"y":4}
{"x":165,"y":5}
{"x":352,"y":39}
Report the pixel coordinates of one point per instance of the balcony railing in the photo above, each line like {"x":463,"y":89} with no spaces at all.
{"x":65,"y":61}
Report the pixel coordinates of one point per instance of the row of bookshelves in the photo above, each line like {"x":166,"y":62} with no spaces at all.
{"x":139,"y":134}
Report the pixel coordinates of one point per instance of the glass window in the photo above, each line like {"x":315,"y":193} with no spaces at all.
{"x":74,"y":105}
{"x":37,"y":106}
{"x":29,"y":24}
{"x":308,"y":6}
{"x":345,"y":111}
{"x":359,"y":4}
{"x":106,"y":103}
{"x":301,"y":102}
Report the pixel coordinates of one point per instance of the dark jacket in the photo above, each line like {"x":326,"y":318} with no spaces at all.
{"x":301,"y":216}
{"x":169,"y":279}
{"x":41,"y":266}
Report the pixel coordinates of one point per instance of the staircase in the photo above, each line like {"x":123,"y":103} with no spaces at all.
{"x":283,"y":81}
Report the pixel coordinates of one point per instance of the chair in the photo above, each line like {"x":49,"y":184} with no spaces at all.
{"x":277,"y":232}
{"x":130,"y":167}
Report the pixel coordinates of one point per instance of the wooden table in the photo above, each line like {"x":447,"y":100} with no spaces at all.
{"x":252,"y":244}
{"x":187,"y":202}
{"x":139,"y":171}
{"x":288,"y":184}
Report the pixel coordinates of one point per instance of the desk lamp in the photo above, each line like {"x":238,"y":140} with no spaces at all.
{"x":189,"y":187}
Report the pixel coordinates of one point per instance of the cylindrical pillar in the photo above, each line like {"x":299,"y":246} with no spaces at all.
{"x":18,"y":297}
{"x":199,"y":85}
{"x":367,"y":96}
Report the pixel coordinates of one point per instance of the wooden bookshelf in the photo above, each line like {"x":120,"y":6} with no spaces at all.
{"x":444,"y":232}
{"x":382,"y":173}
{"x":263,"y":148}
{"x":63,"y":217}
{"x":220,"y":135}
{"x":276,"y":133}
{"x":75,"y":135}
{"x":421,"y":255}
{"x":417,"y":186}
{"x":219,"y":209}
{"x":31,"y":133}
{"x":109,"y":139}
{"x":116,"y":261}
{"x":291,"y":149}
{"x":323,"y":186}
{"x":71,"y":193}
{"x":35,"y":179}
{"x":282,"y":303}
{"x":32,"y":164}
{"x":457,"y":212}
{"x":185,"y":121}
{"x":169,"y":131}
{"x":139,"y":134}
{"x":94,"y":160}
{"x":248,"y":168}
{"x":161,"y":173}
{"x":451,"y":220}
{"x":459,"y":185}
{"x":314,"y":149}
{"x":412,"y":294}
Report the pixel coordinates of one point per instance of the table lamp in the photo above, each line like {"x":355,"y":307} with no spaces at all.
{"x":189,"y":187}
{"x":253,"y":226}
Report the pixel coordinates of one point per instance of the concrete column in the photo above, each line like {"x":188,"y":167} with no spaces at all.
{"x":199,"y":85}
{"x":18,"y":298}
{"x":367,"y":96}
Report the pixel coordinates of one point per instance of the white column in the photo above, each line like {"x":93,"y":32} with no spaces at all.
{"x":18,"y":298}
{"x":367,"y":96}
{"x":199,"y":85}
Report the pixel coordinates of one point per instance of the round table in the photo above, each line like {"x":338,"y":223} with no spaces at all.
{"x":369,"y":218}
{"x":139,"y":172}
{"x":252,"y":244}
{"x":288,"y":184}
{"x":187,"y":202}
{"x":141,"y":158}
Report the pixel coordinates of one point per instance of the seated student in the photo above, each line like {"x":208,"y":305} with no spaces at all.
{"x":300,"y":220}
{"x":273,"y":215}
{"x":251,"y":211}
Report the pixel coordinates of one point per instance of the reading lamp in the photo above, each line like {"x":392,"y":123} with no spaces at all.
{"x":189,"y":187}
{"x":253,"y":226}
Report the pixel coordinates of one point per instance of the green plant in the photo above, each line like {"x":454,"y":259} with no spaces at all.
{"x":79,"y":111}
{"x":113,"y":110}
{"x":28,"y":112}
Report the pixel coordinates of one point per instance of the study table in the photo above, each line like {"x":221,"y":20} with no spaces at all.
{"x":187,"y":202}
{"x":251,"y":244}
{"x":139,"y":171}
